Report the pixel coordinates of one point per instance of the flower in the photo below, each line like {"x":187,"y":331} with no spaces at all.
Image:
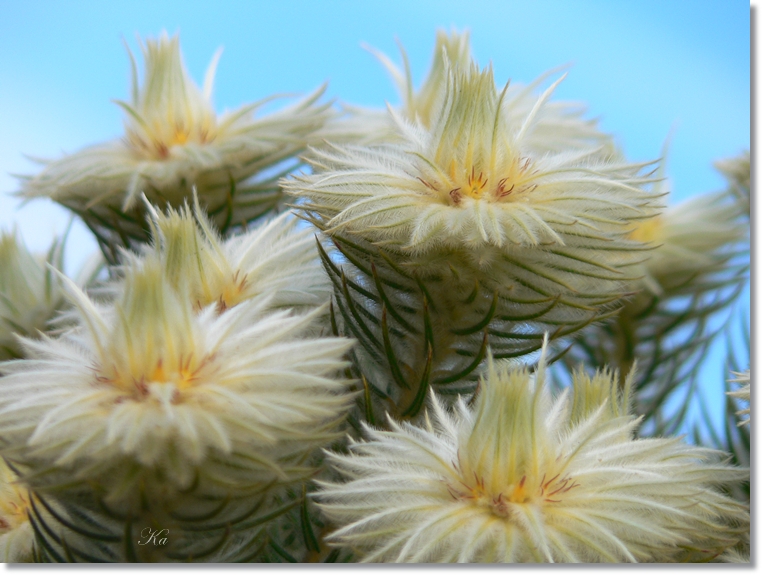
{"x":450,"y":50}
{"x":693,"y":238}
{"x":147,"y":391}
{"x":277,"y":259}
{"x":173,"y":142}
{"x":16,"y":534}
{"x":374,"y":126}
{"x":560,"y":127}
{"x":554,"y":222}
{"x":522,"y":477}
{"x":30,"y":293}
{"x":695,"y":269}
{"x":743,"y":393}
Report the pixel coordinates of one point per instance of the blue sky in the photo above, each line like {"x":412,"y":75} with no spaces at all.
{"x":642,"y":66}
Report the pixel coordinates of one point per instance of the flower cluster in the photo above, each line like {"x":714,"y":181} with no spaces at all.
{"x":695,"y":269}
{"x":476,"y":210}
{"x":222,"y":379}
{"x":162,"y":384}
{"x":523,"y":477}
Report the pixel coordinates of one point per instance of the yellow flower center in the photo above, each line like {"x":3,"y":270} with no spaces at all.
{"x":157,"y":140}
{"x":13,"y":508}
{"x":182,"y":374}
{"x":648,"y":231}
{"x":232,"y":293}
{"x":525,"y":491}
{"x":168,"y":110}
{"x":468,"y":182}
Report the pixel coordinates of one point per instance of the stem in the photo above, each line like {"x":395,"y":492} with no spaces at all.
{"x":625,"y":347}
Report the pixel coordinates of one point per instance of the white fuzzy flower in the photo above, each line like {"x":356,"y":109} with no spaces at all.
{"x":468,"y":189}
{"x":174,"y":141}
{"x":523,"y":477}
{"x":30,"y":292}
{"x":278,"y":260}
{"x":16,"y":534}
{"x":743,"y":393}
{"x":149,"y":391}
{"x":468,"y":181}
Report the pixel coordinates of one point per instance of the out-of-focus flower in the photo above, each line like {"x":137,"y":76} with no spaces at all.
{"x":277,"y":259}
{"x":695,"y":268}
{"x":16,"y":534}
{"x":560,"y":127}
{"x":368,"y":126}
{"x":522,"y":477}
{"x":743,"y":393}
{"x":147,"y":391}
{"x":420,"y":105}
{"x":30,"y":292}
{"x":737,"y":171}
{"x":173,"y":142}
{"x":690,"y":239}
